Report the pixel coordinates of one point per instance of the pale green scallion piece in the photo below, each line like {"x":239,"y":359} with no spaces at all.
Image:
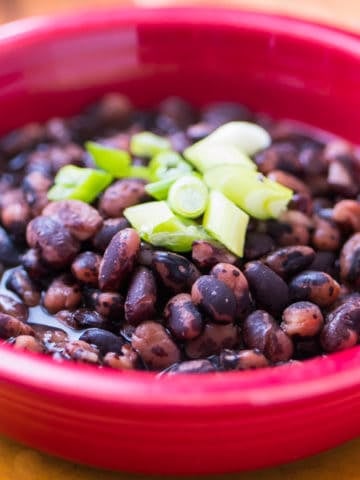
{"x":147,"y":144}
{"x":188,"y":196}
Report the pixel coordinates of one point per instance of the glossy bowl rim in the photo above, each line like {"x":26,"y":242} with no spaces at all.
{"x":317,"y":377}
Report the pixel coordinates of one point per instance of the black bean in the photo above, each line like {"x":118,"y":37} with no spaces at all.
{"x":110,"y":226}
{"x":84,"y":318}
{"x":303,"y":319}
{"x":215,"y":298}
{"x":105,"y":341}
{"x":108,"y":304}
{"x":13,"y":307}
{"x":63,"y":294}
{"x":206,"y":254}
{"x":175,"y":271}
{"x":154,"y":345}
{"x":242,"y":360}
{"x":279,"y":156}
{"x":127,"y":359}
{"x":347,"y":214}
{"x":325,"y":262}
{"x":317,"y":287}
{"x":268,"y":289}
{"x":120,"y":195}
{"x":57,"y":246}
{"x":19,"y":282}
{"x":141,"y":297}
{"x":81,"y":351}
{"x":236,"y":281}
{"x":34,"y":265}
{"x":85,"y":268}
{"x":82,"y":220}
{"x":119,"y":259}
{"x":260,"y":331}
{"x":288,"y":261}
{"x":213,"y":339}
{"x":12,"y":327}
{"x":183,"y":318}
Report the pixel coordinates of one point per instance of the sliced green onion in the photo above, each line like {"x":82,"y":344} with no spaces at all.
{"x":226,"y":222}
{"x":188,"y":196}
{"x":112,"y":160}
{"x":167,"y":164}
{"x":246,"y":136}
{"x":78,"y":183}
{"x":208,"y":154}
{"x":259,"y":196}
{"x":145,"y":217}
{"x":138,"y":171}
{"x":160,"y":189}
{"x":147,"y":144}
{"x":180,"y":241}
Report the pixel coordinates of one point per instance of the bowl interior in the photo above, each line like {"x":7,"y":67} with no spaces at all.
{"x":281,"y":66}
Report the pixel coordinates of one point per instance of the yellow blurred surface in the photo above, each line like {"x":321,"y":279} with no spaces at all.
{"x":21,"y":463}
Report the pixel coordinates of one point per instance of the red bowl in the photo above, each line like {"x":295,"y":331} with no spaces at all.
{"x":191,"y":424}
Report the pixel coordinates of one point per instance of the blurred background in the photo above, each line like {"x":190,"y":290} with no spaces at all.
{"x":339,"y":12}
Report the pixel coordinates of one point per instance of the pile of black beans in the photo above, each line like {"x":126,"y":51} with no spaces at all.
{"x":79,"y":284}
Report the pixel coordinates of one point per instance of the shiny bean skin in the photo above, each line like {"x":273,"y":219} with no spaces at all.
{"x":127,"y":359}
{"x":120,"y":195}
{"x":176,"y":272}
{"x":63,"y":294}
{"x":28,"y":343}
{"x":109,"y":227}
{"x":350,"y":261}
{"x":108,"y":304}
{"x":140,"y":303}
{"x":236,"y":281}
{"x":13,"y":307}
{"x":119,"y":259}
{"x":154,"y":345}
{"x":84,"y":318}
{"x":184,"y":320}
{"x":260,"y":331}
{"x":288,"y":261}
{"x":105,"y":341}
{"x":85,"y":268}
{"x":342,"y":327}
{"x":242,"y":360}
{"x":19,"y":282}
{"x":34,"y":265}
{"x":325,"y":262}
{"x":268,"y":289}
{"x":317,"y":287}
{"x":57,"y":246}
{"x":215,"y":298}
{"x":190,"y":367}
{"x":206,"y":254}
{"x":82,"y":352}
{"x":303,"y":319}
{"x":52,"y":338}
{"x":12,"y":327}
{"x":213,"y":339}
{"x":347,"y":214}
{"x":82,"y":220}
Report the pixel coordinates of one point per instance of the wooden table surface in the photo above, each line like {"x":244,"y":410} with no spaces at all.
{"x":21,"y":463}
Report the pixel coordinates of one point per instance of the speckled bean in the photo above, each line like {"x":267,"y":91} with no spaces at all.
{"x":176,"y":272}
{"x":288,"y":261}
{"x":212,"y":340}
{"x":303,"y":319}
{"x":317,"y":287}
{"x":140,"y":303}
{"x":184,"y":320}
{"x":85,"y":268}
